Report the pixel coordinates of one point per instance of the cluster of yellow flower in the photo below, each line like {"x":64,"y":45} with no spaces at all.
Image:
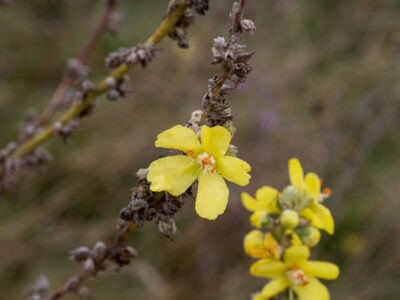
{"x":292,"y":219}
{"x":207,"y":159}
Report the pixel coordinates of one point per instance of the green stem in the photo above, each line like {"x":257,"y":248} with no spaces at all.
{"x":291,"y":294}
{"x":165,"y":27}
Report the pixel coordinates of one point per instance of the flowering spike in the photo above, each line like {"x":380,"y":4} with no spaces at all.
{"x":291,"y":218}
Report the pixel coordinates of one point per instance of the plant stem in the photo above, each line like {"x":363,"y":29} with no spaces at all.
{"x":291,"y":296}
{"x":69,"y":77}
{"x":78,"y":279}
{"x":165,"y":27}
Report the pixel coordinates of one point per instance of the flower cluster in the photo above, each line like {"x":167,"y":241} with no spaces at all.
{"x":292,"y":220}
{"x":206,"y":159}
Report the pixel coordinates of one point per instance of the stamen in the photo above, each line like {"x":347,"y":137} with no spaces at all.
{"x":327,"y":191}
{"x":297,"y":276}
{"x":206,"y":161}
{"x":190,"y":153}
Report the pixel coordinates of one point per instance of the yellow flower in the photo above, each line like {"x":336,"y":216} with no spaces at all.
{"x":309,"y":187}
{"x":312,"y":238}
{"x":265,"y":200}
{"x":205,"y":160}
{"x":294,"y":237}
{"x":260,"y":245}
{"x":295,"y":272}
{"x":259,"y":219}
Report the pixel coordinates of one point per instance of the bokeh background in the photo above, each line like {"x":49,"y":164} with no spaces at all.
{"x":325,"y":88}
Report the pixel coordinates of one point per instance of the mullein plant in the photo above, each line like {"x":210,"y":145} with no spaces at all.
{"x":288,"y":223}
{"x":207,"y":155}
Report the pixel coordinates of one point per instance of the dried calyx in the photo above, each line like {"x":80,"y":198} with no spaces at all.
{"x":39,"y":289}
{"x":146,"y":205}
{"x":235,"y":67}
{"x":180,"y":30}
{"x":142,"y":54}
{"x":10,"y":166}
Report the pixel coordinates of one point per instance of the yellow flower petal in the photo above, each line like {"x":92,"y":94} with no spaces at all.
{"x":294,"y":238}
{"x":313,"y":185}
{"x":259,"y":297}
{"x":268,"y":268}
{"x":266,"y":196}
{"x":296,"y":173}
{"x":250,"y":203}
{"x":297,"y":254}
{"x":234,"y":169}
{"x":180,"y":138}
{"x":215,"y":140}
{"x":324,"y":215}
{"x":313,"y":237}
{"x":265,"y":200}
{"x":275,"y":287}
{"x":315,"y":290}
{"x":174,"y":174}
{"x":212,"y":196}
{"x":272,"y":245}
{"x":253,"y":242}
{"x":259,"y":219}
{"x":310,"y":215}
{"x":321,"y":269}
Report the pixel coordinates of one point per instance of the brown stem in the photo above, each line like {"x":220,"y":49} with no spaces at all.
{"x":69,"y":77}
{"x":79,"y":278}
{"x":165,"y":27}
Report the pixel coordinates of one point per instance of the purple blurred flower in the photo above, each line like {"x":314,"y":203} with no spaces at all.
{"x":268,"y":120}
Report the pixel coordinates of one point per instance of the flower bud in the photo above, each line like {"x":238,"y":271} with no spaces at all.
{"x":290,"y":194}
{"x":248,"y":25}
{"x":259,"y":219}
{"x":312,"y":238}
{"x":289,"y":218}
{"x":253,"y":240}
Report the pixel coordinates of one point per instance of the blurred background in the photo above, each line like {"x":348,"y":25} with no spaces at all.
{"x":324,"y":88}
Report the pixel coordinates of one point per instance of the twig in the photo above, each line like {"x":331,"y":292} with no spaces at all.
{"x":173,"y":17}
{"x":69,"y":77}
{"x":144,"y":206}
{"x":234,"y":68}
{"x":74,"y":282}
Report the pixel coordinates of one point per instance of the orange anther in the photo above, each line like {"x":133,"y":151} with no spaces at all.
{"x":320,"y":181}
{"x":190,"y":153}
{"x":213,"y":170}
{"x":327,"y":191}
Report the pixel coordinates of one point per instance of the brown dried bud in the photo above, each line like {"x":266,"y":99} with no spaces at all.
{"x":248,"y":25}
{"x":89,"y":265}
{"x":111,"y":82}
{"x":84,"y":292}
{"x":142,"y":173}
{"x":39,"y":289}
{"x":79,"y":254}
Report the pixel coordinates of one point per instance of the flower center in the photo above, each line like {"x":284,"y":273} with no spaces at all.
{"x":297,"y":276}
{"x":205,"y":160}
